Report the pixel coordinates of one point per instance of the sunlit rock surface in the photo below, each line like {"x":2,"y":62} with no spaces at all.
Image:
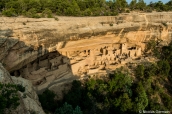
{"x":52,"y":53}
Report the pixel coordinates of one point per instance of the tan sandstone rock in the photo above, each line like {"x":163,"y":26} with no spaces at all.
{"x":51,"y":53}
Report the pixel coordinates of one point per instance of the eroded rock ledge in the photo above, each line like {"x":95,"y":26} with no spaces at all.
{"x":50,"y":52}
{"x":28,"y":99}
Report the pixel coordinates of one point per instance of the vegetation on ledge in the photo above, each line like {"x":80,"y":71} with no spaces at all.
{"x":48,"y":8}
{"x":9,"y":98}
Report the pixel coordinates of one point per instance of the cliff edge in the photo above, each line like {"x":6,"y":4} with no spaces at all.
{"x":49,"y":52}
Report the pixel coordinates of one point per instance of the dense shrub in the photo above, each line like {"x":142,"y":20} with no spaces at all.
{"x":111,"y":24}
{"x":47,"y":100}
{"x":20,"y":88}
{"x":32,"y":13}
{"x":47,"y":13}
{"x":9,"y":12}
{"x":67,"y":109}
{"x":9,"y":98}
{"x":127,"y":11}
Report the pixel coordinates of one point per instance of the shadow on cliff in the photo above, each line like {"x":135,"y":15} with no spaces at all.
{"x":37,"y":63}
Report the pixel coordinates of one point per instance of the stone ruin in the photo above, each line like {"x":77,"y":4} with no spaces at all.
{"x":100,"y":59}
{"x":45,"y":69}
{"x":87,"y":61}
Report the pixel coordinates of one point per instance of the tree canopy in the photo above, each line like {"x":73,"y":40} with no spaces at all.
{"x":34,"y":8}
{"x":9,"y":98}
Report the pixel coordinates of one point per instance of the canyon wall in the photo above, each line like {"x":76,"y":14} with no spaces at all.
{"x":28,"y":99}
{"x":49,"y":52}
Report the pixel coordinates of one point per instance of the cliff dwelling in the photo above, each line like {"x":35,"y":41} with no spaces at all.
{"x":86,"y":58}
{"x":68,"y":51}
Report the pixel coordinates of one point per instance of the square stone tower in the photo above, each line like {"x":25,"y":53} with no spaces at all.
{"x":124,"y":48}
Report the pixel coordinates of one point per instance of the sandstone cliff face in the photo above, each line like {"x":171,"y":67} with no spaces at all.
{"x":50,"y":52}
{"x":29,"y":102}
